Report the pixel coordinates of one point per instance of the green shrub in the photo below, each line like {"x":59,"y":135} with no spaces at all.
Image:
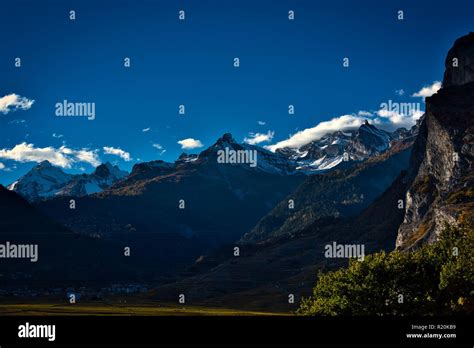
{"x":436,"y":279}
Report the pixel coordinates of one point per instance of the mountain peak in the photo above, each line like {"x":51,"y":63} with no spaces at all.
{"x":44,"y":164}
{"x":46,"y":168}
{"x":368,"y":125}
{"x":227,"y":137}
{"x":107,"y":169}
{"x":103,"y":169}
{"x":459,"y":63}
{"x":224,"y":141}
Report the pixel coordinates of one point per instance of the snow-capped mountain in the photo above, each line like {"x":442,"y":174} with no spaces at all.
{"x":46,"y":180}
{"x":266,"y":161}
{"x":321,"y":155}
{"x":334,"y":148}
{"x":369,"y":141}
{"x":104,"y":176}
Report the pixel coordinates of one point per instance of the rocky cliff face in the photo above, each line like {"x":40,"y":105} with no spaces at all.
{"x":443,"y":157}
{"x":460,"y":62}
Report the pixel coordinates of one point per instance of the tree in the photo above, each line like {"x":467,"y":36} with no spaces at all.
{"x":433,"y":280}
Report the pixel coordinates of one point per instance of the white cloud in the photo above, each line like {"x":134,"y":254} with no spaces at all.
{"x":57,"y":136}
{"x":400,"y":91}
{"x":393,"y":119}
{"x":2,"y":166}
{"x":144,"y":130}
{"x":117,"y":152}
{"x":159,"y":147}
{"x":257,"y":138}
{"x":428,"y":91}
{"x":13,"y":102}
{"x":87,"y":156}
{"x":63,"y":157}
{"x":342,"y":123}
{"x":262,"y":123}
{"x":190,"y":143}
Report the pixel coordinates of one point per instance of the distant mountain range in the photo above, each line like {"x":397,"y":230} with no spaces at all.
{"x":222,"y":202}
{"x":46,"y":180}
{"x":219,"y":202}
{"x":334,"y":148}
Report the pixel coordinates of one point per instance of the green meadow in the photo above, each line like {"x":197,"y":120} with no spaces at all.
{"x":42,"y":309}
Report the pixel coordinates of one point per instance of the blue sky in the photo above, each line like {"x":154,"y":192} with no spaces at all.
{"x":190,"y":62}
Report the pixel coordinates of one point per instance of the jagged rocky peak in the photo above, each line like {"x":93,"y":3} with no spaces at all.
{"x":460,"y":62}
{"x":105,"y":170}
{"x":44,"y":164}
{"x":225,"y":140}
{"x":442,"y":162}
{"x":227,"y":137}
{"x":370,"y":140}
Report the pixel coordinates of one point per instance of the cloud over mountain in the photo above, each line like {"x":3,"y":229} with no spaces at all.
{"x":307,"y":135}
{"x":63,"y":157}
{"x":108,"y":150}
{"x":257,"y":138}
{"x":428,"y":91}
{"x":386,"y":118}
{"x":190,"y":143}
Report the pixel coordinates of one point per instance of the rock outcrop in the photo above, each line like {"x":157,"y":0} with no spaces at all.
{"x":460,"y":62}
{"x":443,"y":157}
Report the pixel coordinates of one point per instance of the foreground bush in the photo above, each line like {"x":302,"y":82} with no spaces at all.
{"x":436,"y":279}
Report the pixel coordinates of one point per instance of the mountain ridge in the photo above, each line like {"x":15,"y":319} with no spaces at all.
{"x":46,"y":180}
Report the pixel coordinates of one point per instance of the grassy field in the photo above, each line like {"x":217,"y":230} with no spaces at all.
{"x":42,"y":309}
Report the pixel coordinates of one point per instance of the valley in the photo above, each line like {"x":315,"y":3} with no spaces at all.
{"x":360,"y":191}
